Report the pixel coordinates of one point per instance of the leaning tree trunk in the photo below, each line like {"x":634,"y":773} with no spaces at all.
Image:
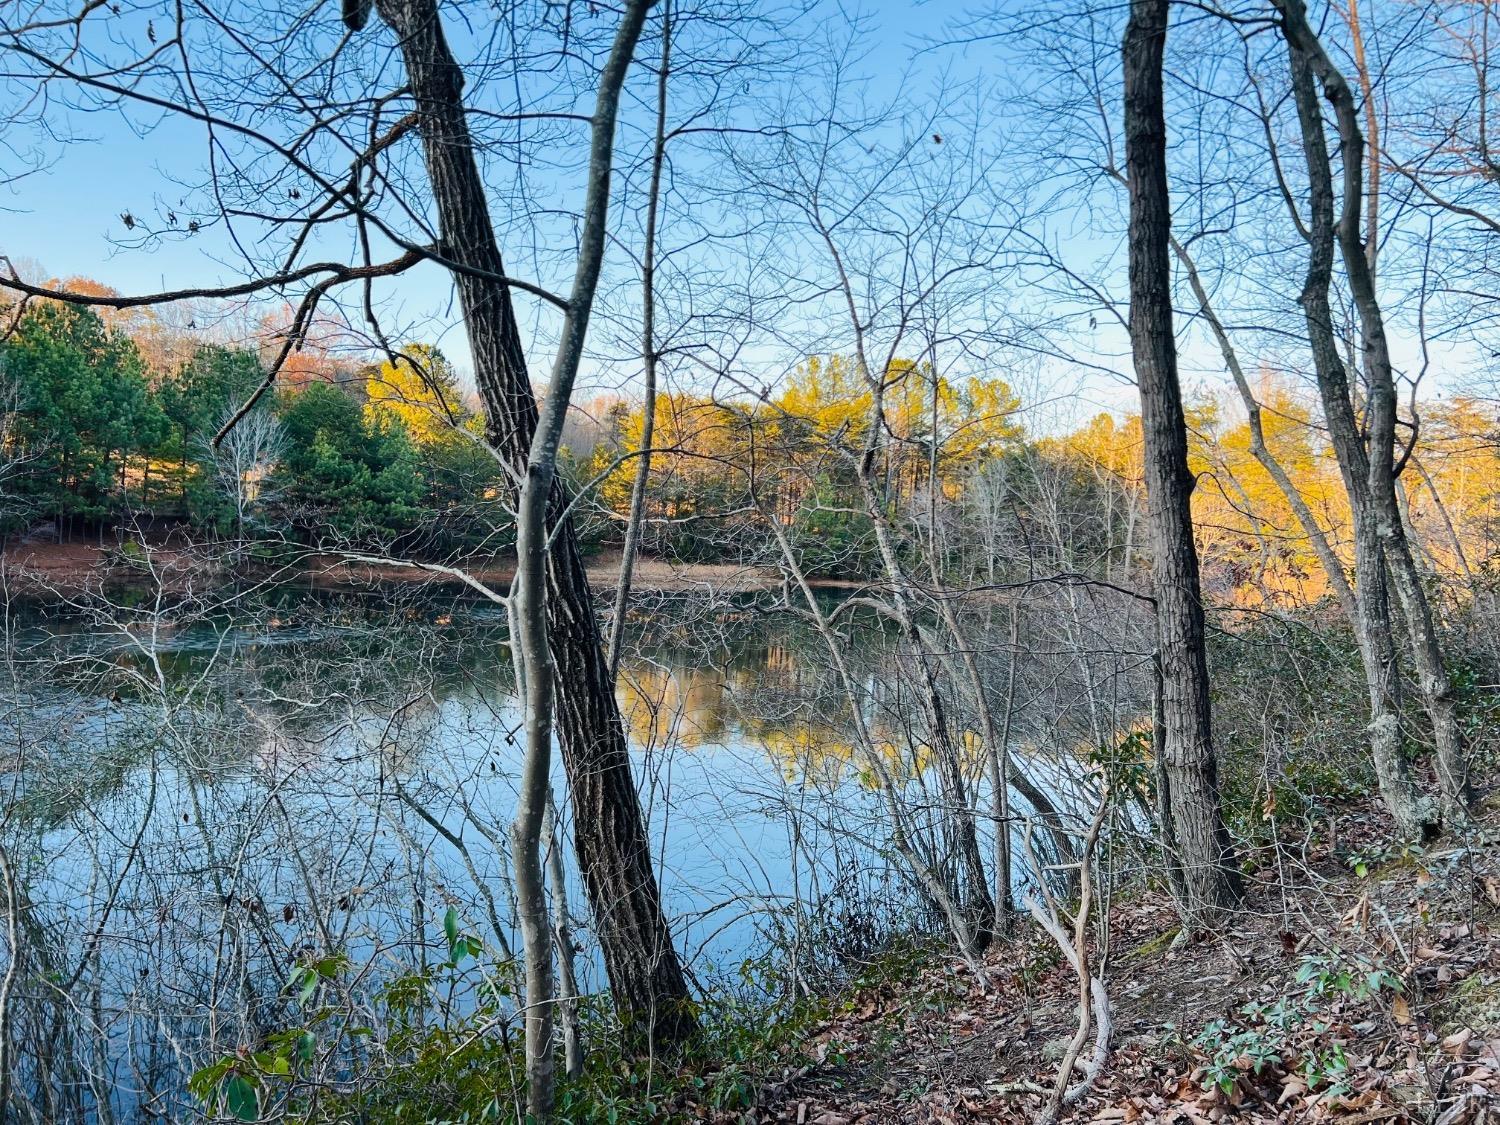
{"x":649,"y":988}
{"x":1194,"y":836}
{"x":1365,"y":605}
{"x":1367,"y":454}
{"x":971,"y":886}
{"x":1372,"y":622}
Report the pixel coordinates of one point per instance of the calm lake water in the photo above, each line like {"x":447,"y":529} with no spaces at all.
{"x":198,"y":798}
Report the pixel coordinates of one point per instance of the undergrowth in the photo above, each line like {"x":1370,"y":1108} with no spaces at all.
{"x":430,"y":1063}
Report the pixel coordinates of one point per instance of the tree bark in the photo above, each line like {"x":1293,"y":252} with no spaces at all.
{"x":1195,"y":837}
{"x":646,"y":979}
{"x":1365,"y":605}
{"x":1366,"y":454}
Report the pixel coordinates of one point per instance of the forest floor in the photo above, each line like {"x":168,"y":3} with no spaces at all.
{"x":1359,"y":983}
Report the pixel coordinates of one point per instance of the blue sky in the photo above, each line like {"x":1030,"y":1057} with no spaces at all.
{"x":66,"y":215}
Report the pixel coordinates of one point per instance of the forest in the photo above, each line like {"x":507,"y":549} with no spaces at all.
{"x":749,"y":561}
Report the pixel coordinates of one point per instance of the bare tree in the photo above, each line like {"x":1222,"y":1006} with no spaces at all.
{"x":534,"y":528}
{"x":1192,"y":823}
{"x":1368,"y":455}
{"x":243,"y":461}
{"x":559,"y":627}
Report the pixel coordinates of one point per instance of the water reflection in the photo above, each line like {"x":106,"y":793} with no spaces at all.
{"x":193,"y":806}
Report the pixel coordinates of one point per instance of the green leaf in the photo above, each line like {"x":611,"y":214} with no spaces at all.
{"x":203,"y":1083}
{"x":450,"y":926}
{"x":307,"y":985}
{"x":329,"y":967}
{"x":307,"y":1044}
{"x":241,"y":1098}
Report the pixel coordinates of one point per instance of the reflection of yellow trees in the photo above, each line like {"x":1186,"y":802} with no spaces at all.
{"x":681,"y":706}
{"x":690,"y":708}
{"x":808,"y":753}
{"x":820,"y":753}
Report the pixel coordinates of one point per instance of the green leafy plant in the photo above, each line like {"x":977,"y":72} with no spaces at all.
{"x":1290,"y":1032}
{"x":1329,"y":975}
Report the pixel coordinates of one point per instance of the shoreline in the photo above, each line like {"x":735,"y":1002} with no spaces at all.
{"x":73,"y":568}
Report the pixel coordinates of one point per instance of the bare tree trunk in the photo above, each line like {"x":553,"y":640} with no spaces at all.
{"x":534,"y":674}
{"x":1192,"y":822}
{"x":1370,"y":454}
{"x":999,"y":767}
{"x":646,"y":977}
{"x":958,"y":812}
{"x":562,"y":936}
{"x":999,"y":763}
{"x":925,"y":869}
{"x":996,"y":750}
{"x":649,"y":357}
{"x":874,"y":488}
{"x":8,"y":981}
{"x":530,"y":599}
{"x":1364,"y":605}
{"x":1372,"y":128}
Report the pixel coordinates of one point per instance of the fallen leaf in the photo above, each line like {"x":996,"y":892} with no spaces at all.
{"x":1492,"y":889}
{"x":1458,"y":1042}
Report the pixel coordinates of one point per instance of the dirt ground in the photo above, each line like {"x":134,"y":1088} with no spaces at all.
{"x":1424,"y":1046}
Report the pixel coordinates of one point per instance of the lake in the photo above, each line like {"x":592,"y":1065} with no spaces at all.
{"x":201,"y":794}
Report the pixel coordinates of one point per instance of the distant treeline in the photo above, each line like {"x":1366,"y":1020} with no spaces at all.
{"x":102,"y":423}
{"x":95,"y":435}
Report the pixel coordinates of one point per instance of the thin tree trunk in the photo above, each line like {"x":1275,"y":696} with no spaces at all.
{"x":562,"y":936}
{"x":530,"y":599}
{"x":649,"y":357}
{"x":1372,"y":130}
{"x":972,"y":888}
{"x":8,"y":981}
{"x":1000,"y":781}
{"x":925,"y":870}
{"x":534,"y":677}
{"x":1192,"y":821}
{"x":646,"y":978}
